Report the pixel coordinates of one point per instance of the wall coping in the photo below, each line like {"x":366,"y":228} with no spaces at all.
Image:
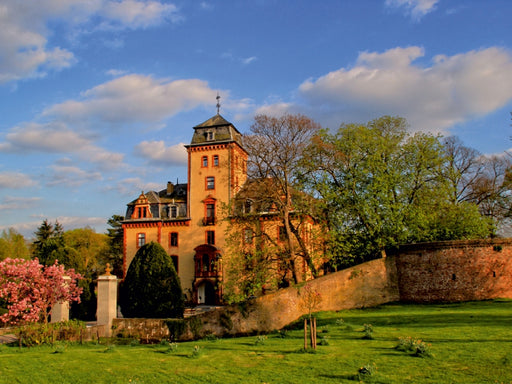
{"x":450,"y":244}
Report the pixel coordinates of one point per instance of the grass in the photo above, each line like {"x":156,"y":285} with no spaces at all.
{"x":469,"y":343}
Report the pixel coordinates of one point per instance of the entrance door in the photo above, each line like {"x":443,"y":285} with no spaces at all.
{"x":206,"y":293}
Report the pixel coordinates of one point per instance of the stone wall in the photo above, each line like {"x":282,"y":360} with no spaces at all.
{"x":366,"y":285}
{"x":433,"y":272}
{"x":455,"y":271}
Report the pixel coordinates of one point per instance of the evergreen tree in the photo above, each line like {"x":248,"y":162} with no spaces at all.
{"x":49,"y":244}
{"x":152,"y":288}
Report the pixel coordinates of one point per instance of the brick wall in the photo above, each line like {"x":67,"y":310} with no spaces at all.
{"x":455,"y":271}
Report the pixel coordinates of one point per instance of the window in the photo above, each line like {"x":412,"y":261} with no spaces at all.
{"x":141,"y":239}
{"x":204,"y":161}
{"x":210,"y":237}
{"x":173,"y":239}
{"x":142,"y":212}
{"x":248,"y":235}
{"x":209,"y":214}
{"x":215,"y":160}
{"x":248,"y":206}
{"x":173,"y":211}
{"x":210,"y":182}
{"x":210,"y":136}
{"x":174,"y":259}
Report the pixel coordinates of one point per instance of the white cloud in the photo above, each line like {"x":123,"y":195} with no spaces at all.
{"x":10,"y":203}
{"x":129,"y":185}
{"x":56,"y":137}
{"x":453,"y":89}
{"x":15,"y":180}
{"x":249,"y":60}
{"x":71,"y":176}
{"x":53,"y":137}
{"x":156,"y":152}
{"x":135,"y":98}
{"x":416,"y":8}
{"x":139,"y":14}
{"x":25,"y":42}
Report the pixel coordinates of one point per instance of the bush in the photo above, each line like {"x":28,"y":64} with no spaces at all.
{"x":368,"y":332}
{"x":152,"y":288}
{"x":41,"y":333}
{"x":415,"y":346}
{"x":366,"y":371}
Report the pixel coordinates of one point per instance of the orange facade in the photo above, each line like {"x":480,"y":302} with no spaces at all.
{"x":188,"y":219}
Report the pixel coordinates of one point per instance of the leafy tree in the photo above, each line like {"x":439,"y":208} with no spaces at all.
{"x":113,"y":253}
{"x":83,"y":248}
{"x":380,"y":187}
{"x":275,"y":148}
{"x":152,"y":287}
{"x":13,"y":245}
{"x":485,"y":181}
{"x":30,"y":289}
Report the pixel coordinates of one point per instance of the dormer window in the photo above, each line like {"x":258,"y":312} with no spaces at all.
{"x":210,"y":135}
{"x":173,"y":211}
{"x":248,"y":206}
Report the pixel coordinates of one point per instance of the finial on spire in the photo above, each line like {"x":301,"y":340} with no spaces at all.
{"x":218,"y":103}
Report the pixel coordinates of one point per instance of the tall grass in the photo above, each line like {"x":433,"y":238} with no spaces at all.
{"x":468,"y":343}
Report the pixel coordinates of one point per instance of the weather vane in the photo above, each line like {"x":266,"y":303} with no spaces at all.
{"x":218,"y":103}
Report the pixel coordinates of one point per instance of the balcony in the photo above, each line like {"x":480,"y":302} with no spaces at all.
{"x":209,"y":220}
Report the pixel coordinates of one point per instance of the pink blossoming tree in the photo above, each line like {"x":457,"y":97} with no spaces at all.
{"x":30,"y":289}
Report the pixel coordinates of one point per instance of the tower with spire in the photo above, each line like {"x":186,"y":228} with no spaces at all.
{"x":187,"y":219}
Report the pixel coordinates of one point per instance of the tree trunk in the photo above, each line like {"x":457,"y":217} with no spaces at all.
{"x":305,"y":334}
{"x":312,"y":332}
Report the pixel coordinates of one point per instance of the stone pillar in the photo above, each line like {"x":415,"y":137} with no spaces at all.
{"x":60,"y":311}
{"x":107,"y":300}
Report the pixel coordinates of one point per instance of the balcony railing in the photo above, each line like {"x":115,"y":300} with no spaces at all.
{"x":209,"y":220}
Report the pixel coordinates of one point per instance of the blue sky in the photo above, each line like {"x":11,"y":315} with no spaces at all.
{"x":97,"y":97}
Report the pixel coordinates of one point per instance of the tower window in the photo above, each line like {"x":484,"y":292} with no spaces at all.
{"x":210,"y":237}
{"x":174,"y":259}
{"x":210,"y":182}
{"x":173,"y":239}
{"x":141,"y":239}
{"x":209,"y":214}
{"x":210,"y":135}
{"x":204,"y":161}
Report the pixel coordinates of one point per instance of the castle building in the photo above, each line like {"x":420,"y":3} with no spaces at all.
{"x":189,"y":220}
{"x":186,"y":218}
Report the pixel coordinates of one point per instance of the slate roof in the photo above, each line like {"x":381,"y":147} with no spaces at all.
{"x":224,"y":132}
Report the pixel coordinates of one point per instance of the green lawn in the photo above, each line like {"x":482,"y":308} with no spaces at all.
{"x":470,"y":343}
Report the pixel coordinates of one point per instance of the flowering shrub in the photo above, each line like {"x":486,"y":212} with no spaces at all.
{"x":416,"y":346}
{"x":30,"y":289}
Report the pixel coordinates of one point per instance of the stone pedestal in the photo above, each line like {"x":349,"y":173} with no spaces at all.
{"x":107,"y":301}
{"x":60,"y":311}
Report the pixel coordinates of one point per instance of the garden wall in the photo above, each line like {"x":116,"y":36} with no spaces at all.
{"x":455,"y":271}
{"x":429,"y":272}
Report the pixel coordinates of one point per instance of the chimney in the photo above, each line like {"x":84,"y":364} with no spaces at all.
{"x":170,"y":188}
